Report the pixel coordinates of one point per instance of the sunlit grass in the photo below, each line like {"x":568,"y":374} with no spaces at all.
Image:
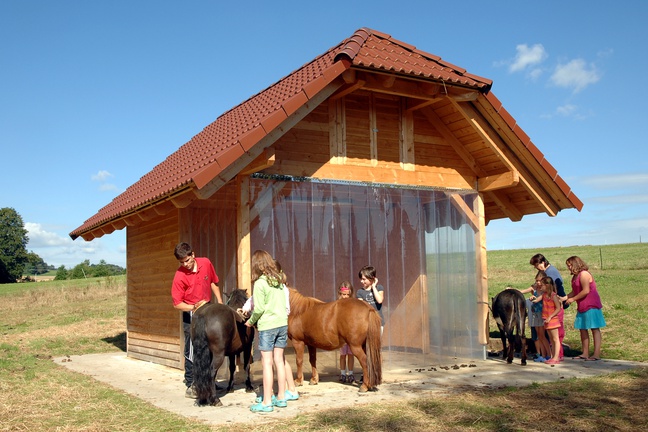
{"x":53,"y":319}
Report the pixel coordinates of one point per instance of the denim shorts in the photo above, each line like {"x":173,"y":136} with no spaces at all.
{"x":273,"y":338}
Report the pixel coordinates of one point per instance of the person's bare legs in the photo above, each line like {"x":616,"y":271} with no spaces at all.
{"x":290,"y":380}
{"x":268,"y":377}
{"x":585,"y":342}
{"x":545,"y":350}
{"x":280,"y":363}
{"x":555,"y":344}
{"x":597,"y":338}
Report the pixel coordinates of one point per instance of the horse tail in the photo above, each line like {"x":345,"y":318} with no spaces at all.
{"x":203,"y":379}
{"x":374,"y":350}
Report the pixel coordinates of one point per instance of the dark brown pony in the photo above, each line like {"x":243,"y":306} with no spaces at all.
{"x":218,"y":331}
{"x":509,"y":312}
{"x":329,"y":326}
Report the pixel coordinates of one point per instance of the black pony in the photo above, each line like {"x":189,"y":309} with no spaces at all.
{"x":217,"y":331}
{"x":509,"y":312}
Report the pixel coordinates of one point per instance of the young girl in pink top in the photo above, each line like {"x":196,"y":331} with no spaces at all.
{"x":551,"y":307}
{"x":590,"y":314}
{"x":346,"y":356}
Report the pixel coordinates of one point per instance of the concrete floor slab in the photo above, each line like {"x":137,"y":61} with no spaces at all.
{"x":407,"y":378}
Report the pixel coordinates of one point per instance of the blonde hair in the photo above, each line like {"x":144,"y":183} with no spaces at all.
{"x":345,"y":284}
{"x":549,"y":282}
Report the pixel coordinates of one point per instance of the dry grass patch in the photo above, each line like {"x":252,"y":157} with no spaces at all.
{"x":616,"y":402}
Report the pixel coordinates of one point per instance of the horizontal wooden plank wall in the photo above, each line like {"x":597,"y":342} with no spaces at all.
{"x":153,"y":324}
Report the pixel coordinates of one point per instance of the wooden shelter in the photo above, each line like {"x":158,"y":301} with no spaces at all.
{"x":373,"y":153}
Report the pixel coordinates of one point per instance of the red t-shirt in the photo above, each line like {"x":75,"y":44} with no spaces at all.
{"x":190,"y":287}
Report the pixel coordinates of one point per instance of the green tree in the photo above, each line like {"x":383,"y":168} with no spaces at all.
{"x":61,"y":273}
{"x":13,"y":245}
{"x":101,"y":269}
{"x":81,"y":271}
{"x":35,"y":264}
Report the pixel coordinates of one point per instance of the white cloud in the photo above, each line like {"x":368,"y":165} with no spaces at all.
{"x":59,"y":249}
{"x":618,"y":181}
{"x":107,"y":187}
{"x":566,"y":110}
{"x":528,"y":56}
{"x":39,"y":238}
{"x":575,"y":75}
{"x":101,"y":176}
{"x":628,"y":199}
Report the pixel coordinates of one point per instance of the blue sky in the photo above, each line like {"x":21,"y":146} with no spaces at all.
{"x":94,"y":94}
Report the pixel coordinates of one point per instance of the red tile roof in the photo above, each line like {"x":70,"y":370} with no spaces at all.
{"x":222,"y":142}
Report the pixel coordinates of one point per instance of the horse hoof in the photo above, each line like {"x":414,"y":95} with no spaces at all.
{"x":313,"y":382}
{"x":363,"y":389}
{"x":217,"y":403}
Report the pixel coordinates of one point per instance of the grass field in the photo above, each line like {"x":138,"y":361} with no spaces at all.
{"x":51,"y":319}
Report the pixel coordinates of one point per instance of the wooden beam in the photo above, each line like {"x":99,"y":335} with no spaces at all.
{"x":498,"y":181}
{"x":447,"y":134}
{"x":349,"y":76}
{"x":401,"y":87}
{"x":483,"y":302}
{"x":265,"y":160}
{"x":184,"y":199}
{"x":406,"y":139}
{"x":462,"y":207}
{"x":337,"y":131}
{"x":502,"y":201}
{"x":499,"y":147}
{"x":423,"y":104}
{"x":164,"y":207}
{"x":373,"y":130}
{"x":381,"y":173}
{"x":388,"y":81}
{"x":243,"y":253}
{"x":348,"y":90}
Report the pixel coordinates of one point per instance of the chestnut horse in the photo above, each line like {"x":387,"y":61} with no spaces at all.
{"x":329,"y":326}
{"x":218,"y":331}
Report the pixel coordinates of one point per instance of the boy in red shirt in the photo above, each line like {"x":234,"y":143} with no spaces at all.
{"x":193,"y":285}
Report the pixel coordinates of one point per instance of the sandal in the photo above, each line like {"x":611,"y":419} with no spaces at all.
{"x":552,"y":362}
{"x":259,"y":399}
{"x":350,"y":379}
{"x":260,"y":408}
{"x":342,"y":379}
{"x":280,"y":403}
{"x":580,"y":357}
{"x":290,"y":396}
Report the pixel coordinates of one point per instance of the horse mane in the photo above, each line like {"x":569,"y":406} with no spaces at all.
{"x":300,"y":303}
{"x":237,"y":298}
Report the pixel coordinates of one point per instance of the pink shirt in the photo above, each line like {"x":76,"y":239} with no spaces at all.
{"x":591,"y":300}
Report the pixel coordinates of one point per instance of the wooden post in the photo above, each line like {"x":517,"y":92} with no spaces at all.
{"x":482,"y":272}
{"x":244,"y":277}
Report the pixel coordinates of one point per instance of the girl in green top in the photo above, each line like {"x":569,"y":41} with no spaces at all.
{"x":271,"y":318}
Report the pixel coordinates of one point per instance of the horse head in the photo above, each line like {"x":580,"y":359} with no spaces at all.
{"x":237,"y":298}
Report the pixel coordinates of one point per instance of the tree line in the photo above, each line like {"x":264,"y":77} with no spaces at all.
{"x":18,"y":264}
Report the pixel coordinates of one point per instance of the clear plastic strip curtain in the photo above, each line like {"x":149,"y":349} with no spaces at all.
{"x":420,"y":243}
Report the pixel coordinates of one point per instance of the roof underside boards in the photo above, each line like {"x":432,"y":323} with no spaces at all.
{"x":457,"y":103}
